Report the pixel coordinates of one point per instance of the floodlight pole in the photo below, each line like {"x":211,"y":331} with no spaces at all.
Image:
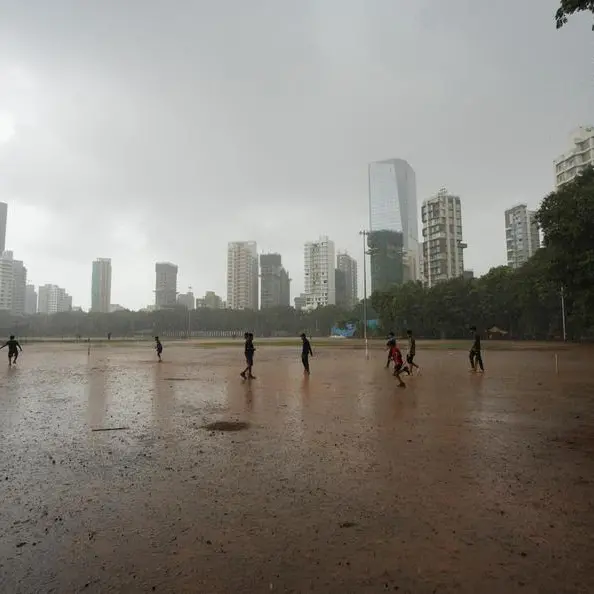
{"x":563,"y":313}
{"x":364,"y":235}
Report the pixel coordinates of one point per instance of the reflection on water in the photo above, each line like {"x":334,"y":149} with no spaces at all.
{"x":164,"y":397}
{"x":97,"y":392}
{"x":11,"y":381}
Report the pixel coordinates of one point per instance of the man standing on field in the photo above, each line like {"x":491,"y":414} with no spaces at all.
{"x":475,"y":351}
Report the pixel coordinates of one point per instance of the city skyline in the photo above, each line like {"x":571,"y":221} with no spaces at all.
{"x":82,"y":180}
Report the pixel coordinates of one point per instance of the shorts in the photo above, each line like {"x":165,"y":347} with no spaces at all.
{"x":398,"y":367}
{"x":410,"y":359}
{"x":249,"y":359}
{"x":13,"y":353}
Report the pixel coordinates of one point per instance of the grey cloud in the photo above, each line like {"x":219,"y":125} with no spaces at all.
{"x":203,"y":122}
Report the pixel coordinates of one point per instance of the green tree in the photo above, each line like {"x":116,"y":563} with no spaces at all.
{"x":570,"y":7}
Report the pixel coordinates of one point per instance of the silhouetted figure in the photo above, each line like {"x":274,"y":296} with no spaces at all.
{"x":305,"y":352}
{"x":249,"y":351}
{"x":412,"y":351}
{"x":390,"y":344}
{"x":475,"y":352}
{"x":158,"y":348}
{"x":13,"y":349}
{"x":398,"y":364}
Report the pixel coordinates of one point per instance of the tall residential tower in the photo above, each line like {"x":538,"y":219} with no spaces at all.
{"x":348,"y":267}
{"x":443,"y":246}
{"x":101,"y":286}
{"x":320,"y":276}
{"x":3,"y":219}
{"x":522,"y":237}
{"x":275,"y":284}
{"x":579,"y":156}
{"x":242,"y":275}
{"x":165,"y":285}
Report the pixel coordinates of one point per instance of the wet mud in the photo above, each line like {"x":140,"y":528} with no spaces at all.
{"x":111,"y":481}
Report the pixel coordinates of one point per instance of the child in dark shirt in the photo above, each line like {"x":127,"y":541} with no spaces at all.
{"x":158,"y":348}
{"x":249,"y":350}
{"x":305,"y":353}
{"x":13,"y":349}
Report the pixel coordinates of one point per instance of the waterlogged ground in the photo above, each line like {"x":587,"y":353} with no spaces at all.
{"x":340,"y":483}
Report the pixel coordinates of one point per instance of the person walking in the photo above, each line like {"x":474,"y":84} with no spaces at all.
{"x":158,"y":348}
{"x":306,"y":352}
{"x":412,"y":351}
{"x":390,"y":345}
{"x":475,"y":351}
{"x":249,"y":351}
{"x":398,"y":365}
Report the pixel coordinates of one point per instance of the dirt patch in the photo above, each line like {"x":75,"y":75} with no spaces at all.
{"x":227,"y":426}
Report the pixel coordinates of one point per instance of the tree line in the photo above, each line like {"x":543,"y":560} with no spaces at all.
{"x":180,"y":323}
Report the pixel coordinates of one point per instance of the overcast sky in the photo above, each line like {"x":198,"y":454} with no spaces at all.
{"x":147,"y":130}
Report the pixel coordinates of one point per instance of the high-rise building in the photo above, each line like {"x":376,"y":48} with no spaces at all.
{"x":186,"y":300}
{"x":101,"y":286}
{"x":386,"y":258}
{"x":443,"y":247}
{"x":522,"y":236}
{"x":19,"y":287}
{"x":210,"y":301}
{"x":393,"y":207}
{"x":6,"y":279}
{"x":340,"y":289}
{"x":579,"y":156}
{"x":242,"y":275}
{"x":348,"y":266}
{"x":30,"y":300}
{"x":320,"y":276}
{"x":13,"y":280}
{"x":3,"y":219}
{"x":275,"y":284}
{"x":53,"y":299}
{"x":300,"y":302}
{"x":165,"y":285}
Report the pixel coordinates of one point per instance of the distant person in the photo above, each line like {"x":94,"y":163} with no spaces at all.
{"x":412,"y":351}
{"x":398,"y":364}
{"x":305,"y":352}
{"x":475,"y":351}
{"x":13,"y":349}
{"x":249,"y":351}
{"x":390,"y":344}
{"x":158,"y":348}
{"x":109,"y":336}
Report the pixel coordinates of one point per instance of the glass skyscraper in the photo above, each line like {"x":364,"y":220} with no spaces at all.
{"x":393,"y":223}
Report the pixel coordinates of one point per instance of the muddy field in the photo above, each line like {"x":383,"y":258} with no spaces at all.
{"x":119,"y":474}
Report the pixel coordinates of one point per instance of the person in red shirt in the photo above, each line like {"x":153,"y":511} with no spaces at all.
{"x":398,"y":365}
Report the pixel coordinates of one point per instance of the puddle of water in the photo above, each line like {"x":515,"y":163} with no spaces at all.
{"x":227,"y":426}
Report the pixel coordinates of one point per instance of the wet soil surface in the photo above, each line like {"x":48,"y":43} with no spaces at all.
{"x":337,"y":483}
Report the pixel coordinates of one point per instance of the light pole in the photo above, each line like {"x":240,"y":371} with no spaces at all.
{"x":190,"y":313}
{"x":364,"y":235}
{"x":563,"y":313}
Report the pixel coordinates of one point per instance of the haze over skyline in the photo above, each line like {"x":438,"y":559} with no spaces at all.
{"x":140,"y":133}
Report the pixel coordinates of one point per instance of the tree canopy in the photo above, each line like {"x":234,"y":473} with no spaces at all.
{"x":570,"y":7}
